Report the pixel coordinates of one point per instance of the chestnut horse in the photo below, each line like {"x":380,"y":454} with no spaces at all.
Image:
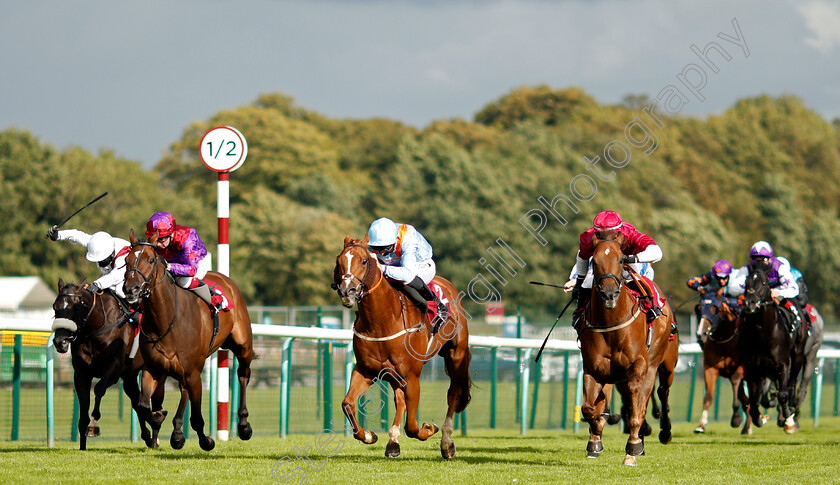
{"x":721,"y":359}
{"x":176,"y":338}
{"x":613,"y":344}
{"x":392,"y":341}
{"x":768,"y":350}
{"x":96,"y":330}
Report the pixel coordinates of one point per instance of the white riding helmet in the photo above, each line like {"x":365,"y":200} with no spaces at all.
{"x":100,"y":246}
{"x":383,"y":232}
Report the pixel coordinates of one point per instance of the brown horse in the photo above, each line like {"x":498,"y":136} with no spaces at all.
{"x":613,"y":344}
{"x":176,"y":338}
{"x":392,"y":341}
{"x":721,"y":359}
{"x":96,"y":329}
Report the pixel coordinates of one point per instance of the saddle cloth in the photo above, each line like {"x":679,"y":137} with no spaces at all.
{"x":217,"y":296}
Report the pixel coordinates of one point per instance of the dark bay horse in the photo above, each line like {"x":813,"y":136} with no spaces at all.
{"x":768,"y":350}
{"x":392,"y":341}
{"x":613,"y":344}
{"x":721,"y":359}
{"x":176,"y":334}
{"x":96,"y":329}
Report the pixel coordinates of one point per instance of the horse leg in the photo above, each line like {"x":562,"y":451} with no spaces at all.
{"x":132,"y":390}
{"x":755,"y":389}
{"x":392,"y":450}
{"x":82,"y":381}
{"x":611,"y":418}
{"x":193,"y":389}
{"x":244,"y":353}
{"x":710,"y":376}
{"x":151,"y":386}
{"x":638,"y":390}
{"x":666,"y":378}
{"x":736,"y":405}
{"x":358,"y":384}
{"x":594,"y":403}
{"x":177,"y":439}
{"x":98,"y":392}
{"x":457,"y":363}
{"x":739,"y":385}
{"x":412,"y":402}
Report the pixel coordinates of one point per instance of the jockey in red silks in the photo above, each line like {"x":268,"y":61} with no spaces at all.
{"x":185,"y":254}
{"x":640,"y":252}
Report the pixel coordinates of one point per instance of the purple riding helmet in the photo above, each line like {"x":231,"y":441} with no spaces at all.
{"x":761,"y":249}
{"x":722,"y":268}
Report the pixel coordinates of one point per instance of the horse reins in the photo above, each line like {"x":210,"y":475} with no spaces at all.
{"x":103,"y":331}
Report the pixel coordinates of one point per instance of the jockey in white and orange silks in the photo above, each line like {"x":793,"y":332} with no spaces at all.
{"x":407,"y":257}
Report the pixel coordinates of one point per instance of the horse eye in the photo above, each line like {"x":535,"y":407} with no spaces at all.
{"x":364,"y":262}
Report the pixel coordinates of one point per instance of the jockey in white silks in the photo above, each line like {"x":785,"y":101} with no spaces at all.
{"x":407,"y":257}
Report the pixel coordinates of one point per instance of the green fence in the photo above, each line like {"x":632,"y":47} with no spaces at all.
{"x":298,"y":383}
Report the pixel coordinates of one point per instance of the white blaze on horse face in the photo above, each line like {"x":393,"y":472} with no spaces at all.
{"x":348,"y":277}
{"x":607,"y":251}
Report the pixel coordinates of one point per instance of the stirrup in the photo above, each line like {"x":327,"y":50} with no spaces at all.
{"x":654,"y":313}
{"x":674,"y":330}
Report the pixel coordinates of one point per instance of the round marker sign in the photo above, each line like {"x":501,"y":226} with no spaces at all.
{"x":223,"y":149}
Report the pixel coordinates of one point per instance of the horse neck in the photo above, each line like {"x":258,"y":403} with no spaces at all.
{"x":161,"y":302}
{"x":381,"y":306}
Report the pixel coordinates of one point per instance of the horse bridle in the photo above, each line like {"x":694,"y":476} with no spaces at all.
{"x":752,"y":291}
{"x":361,"y":288}
{"x":73,"y":313}
{"x":605,"y":276}
{"x":145,"y":288}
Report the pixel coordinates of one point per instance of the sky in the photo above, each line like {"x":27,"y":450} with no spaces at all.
{"x":132,"y":76}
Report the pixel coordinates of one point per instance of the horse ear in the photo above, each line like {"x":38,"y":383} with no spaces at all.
{"x":366,"y":239}
{"x":60,"y":283}
{"x":153,"y":239}
{"x":347,"y":239}
{"x":131,"y":237}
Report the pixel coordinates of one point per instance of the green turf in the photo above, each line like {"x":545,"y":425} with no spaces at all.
{"x":721,"y":455}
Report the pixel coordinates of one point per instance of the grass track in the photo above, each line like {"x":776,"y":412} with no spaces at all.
{"x":719,"y":456}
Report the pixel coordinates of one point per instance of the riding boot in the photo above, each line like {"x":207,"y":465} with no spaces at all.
{"x":203,"y":291}
{"x":433,"y":303}
{"x":577,"y":315}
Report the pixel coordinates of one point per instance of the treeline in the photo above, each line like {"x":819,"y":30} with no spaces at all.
{"x":768,"y":168}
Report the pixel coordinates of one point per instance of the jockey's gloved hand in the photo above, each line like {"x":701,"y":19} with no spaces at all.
{"x":630,"y":258}
{"x":578,"y":286}
{"x":94,"y":288}
{"x":52,"y":234}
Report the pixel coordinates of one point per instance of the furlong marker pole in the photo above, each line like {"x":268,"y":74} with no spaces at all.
{"x":223,"y":203}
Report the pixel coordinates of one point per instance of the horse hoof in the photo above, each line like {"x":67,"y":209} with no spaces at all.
{"x":93,"y":431}
{"x":433,"y":427}
{"x":665,"y":436}
{"x":736,"y":421}
{"x":392,"y":450}
{"x":700,"y":429}
{"x":157,"y":418}
{"x":447,"y":452}
{"x":594,"y":449}
{"x":613,"y":419}
{"x":176,"y":441}
{"x":747,"y":431}
{"x":629,"y":460}
{"x":207,"y":444}
{"x":370,"y":438}
{"x":645,"y":430}
{"x":244,"y":430}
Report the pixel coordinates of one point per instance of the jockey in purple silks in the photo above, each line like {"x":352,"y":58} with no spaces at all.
{"x":185,"y":254}
{"x":782,"y":283}
{"x":713,"y":288}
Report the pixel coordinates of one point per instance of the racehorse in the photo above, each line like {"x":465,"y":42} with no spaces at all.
{"x":769,"y":350}
{"x":177,"y":337}
{"x":721,"y":359}
{"x":392,"y":341}
{"x":613,"y":344}
{"x":93,"y":327}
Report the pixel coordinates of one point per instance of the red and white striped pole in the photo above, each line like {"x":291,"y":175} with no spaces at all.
{"x":223,"y":149}
{"x":223,"y":203}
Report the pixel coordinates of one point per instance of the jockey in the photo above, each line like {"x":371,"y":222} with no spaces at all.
{"x":640,"y":252}
{"x":185,"y":254}
{"x":106,"y":251}
{"x":407,"y":257}
{"x":801,"y":299}
{"x":713,"y":288}
{"x":782,"y":283}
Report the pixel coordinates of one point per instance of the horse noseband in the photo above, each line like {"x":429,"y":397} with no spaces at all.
{"x":605,"y":276}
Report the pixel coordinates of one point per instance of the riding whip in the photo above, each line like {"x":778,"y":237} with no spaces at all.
{"x":80,"y":210}
{"x":537,"y":359}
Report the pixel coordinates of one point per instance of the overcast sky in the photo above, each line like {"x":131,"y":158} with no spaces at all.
{"x":130,"y":76}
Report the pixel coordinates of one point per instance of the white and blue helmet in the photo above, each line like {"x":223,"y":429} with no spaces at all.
{"x":383,"y":232}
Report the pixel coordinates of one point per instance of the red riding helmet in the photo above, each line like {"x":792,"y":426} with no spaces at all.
{"x":607,"y":221}
{"x":161,"y":222}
